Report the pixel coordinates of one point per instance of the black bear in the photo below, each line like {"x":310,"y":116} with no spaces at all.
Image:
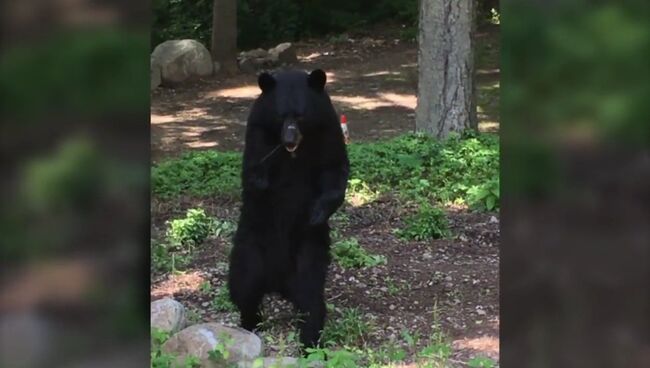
{"x":294,"y":176}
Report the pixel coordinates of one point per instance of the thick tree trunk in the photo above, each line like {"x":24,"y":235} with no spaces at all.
{"x":446,"y":92}
{"x":224,"y":35}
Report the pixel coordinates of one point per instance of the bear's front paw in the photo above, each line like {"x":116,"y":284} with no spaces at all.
{"x":318,"y":216}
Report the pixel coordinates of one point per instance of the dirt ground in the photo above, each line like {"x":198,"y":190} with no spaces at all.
{"x":373,"y":81}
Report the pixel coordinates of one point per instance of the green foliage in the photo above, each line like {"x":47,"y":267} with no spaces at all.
{"x":415,"y":166}
{"x":428,"y":223}
{"x":345,"y":328}
{"x":349,"y":254}
{"x":481,"y":362}
{"x":222,"y":302}
{"x":330,"y":358}
{"x":484,"y":196}
{"x":221,"y":352}
{"x":420,"y":167}
{"x":71,"y":177}
{"x":100,"y":71}
{"x":199,"y":173}
{"x":167,"y":258}
{"x":263,"y":23}
{"x":192,"y":230}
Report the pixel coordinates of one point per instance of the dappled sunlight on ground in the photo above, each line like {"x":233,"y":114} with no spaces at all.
{"x":246,"y":91}
{"x":487,"y":345}
{"x":177,"y":283}
{"x":488,"y":126}
{"x":379,"y":100}
{"x":381,"y":73}
{"x":163,"y":119}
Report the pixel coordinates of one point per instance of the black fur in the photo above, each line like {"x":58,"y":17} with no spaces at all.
{"x":282,"y":240}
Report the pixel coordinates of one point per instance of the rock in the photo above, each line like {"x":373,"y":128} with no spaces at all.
{"x":494,"y":220}
{"x":283,"y":53}
{"x":199,"y":340}
{"x":254,"y":54}
{"x":269,"y":362}
{"x":180,"y":60}
{"x":168,"y":315}
{"x":247,"y":65}
{"x":155,"y":75}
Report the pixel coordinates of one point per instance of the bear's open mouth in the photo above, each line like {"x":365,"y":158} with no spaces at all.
{"x":290,"y":147}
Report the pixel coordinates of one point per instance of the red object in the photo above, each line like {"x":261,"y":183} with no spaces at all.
{"x":344,"y":120}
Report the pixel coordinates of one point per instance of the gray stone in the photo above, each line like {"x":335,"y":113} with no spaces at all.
{"x":283,"y":53}
{"x":254,"y":54}
{"x":247,"y":65}
{"x":199,"y":340}
{"x":167,"y":315}
{"x":180,"y":60}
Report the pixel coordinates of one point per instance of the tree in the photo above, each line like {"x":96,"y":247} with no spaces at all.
{"x":446,"y":91}
{"x":224,"y":35}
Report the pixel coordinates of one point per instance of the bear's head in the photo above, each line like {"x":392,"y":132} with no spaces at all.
{"x":296,"y":105}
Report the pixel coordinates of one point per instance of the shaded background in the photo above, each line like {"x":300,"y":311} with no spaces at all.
{"x":576,"y":184}
{"x":74,"y":87}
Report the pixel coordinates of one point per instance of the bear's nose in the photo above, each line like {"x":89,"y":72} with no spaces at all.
{"x":290,"y":134}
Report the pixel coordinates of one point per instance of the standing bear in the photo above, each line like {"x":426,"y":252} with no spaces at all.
{"x":294,"y":176}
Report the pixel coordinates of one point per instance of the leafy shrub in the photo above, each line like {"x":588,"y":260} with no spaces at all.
{"x":420,"y":167}
{"x":484,"y":196}
{"x":191,"y":230}
{"x":167,"y":258}
{"x":349,"y":254}
{"x":428,"y":223}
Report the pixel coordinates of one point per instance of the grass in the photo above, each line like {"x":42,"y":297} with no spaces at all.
{"x":347,"y":328}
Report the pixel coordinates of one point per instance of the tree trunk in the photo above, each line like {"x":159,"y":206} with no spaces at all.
{"x":446,"y":91}
{"x":224,"y":35}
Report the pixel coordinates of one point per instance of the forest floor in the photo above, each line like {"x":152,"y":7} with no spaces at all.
{"x":449,"y":284}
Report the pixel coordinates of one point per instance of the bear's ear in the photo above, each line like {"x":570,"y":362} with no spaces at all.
{"x":266,"y":82}
{"x":317,"y":79}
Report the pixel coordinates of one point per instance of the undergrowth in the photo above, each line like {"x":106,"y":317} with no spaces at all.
{"x":462,"y":169}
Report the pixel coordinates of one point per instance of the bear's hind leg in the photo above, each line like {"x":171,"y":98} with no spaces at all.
{"x":307,"y":292}
{"x":246,"y":285}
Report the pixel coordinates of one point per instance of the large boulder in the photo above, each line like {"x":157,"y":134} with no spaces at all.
{"x":167,"y":315}
{"x":180,"y":60}
{"x":199,"y":340}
